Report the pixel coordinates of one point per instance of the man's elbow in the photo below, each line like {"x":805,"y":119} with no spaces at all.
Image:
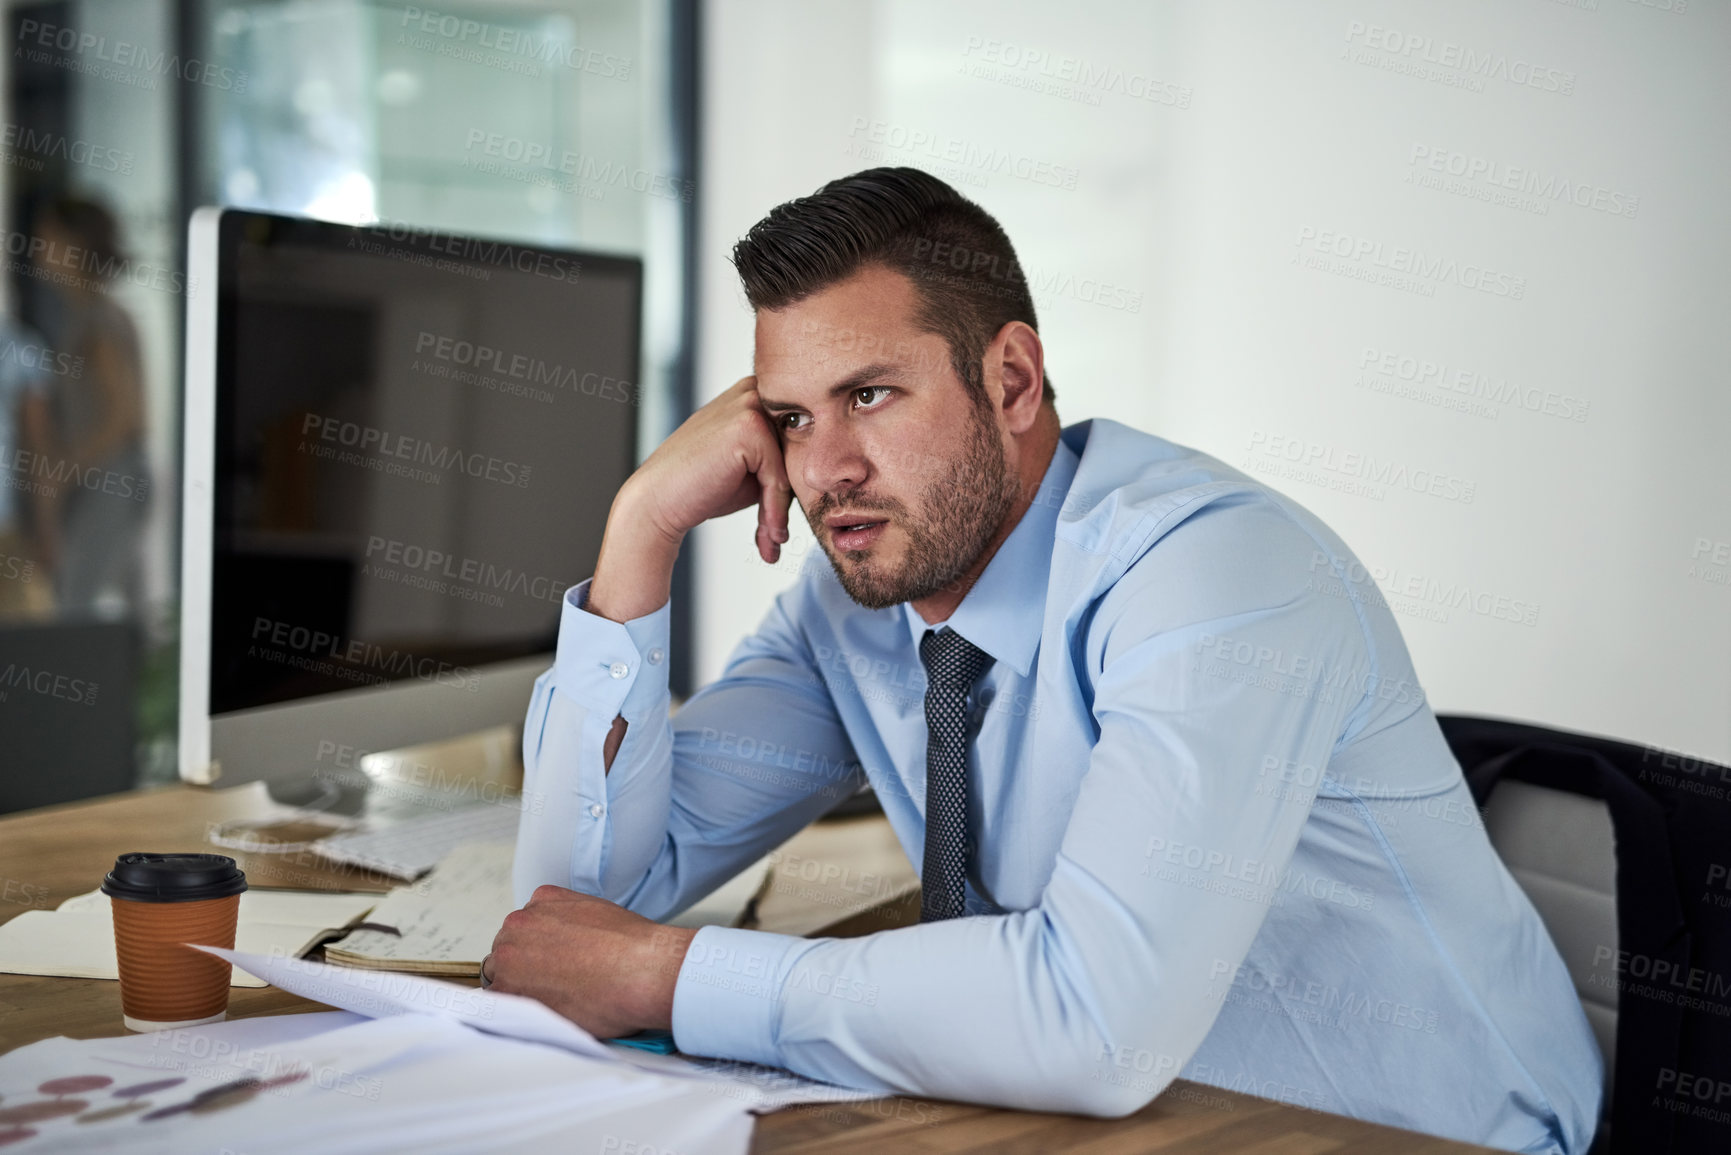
{"x":1103,"y":1097}
{"x":1111,"y":1081}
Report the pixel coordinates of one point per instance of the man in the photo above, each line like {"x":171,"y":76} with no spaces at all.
{"x":1143,"y":725}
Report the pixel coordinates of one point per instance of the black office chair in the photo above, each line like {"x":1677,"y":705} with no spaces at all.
{"x":1624,"y":850}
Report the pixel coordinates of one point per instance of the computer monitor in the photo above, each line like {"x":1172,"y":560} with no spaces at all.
{"x":401,"y":450}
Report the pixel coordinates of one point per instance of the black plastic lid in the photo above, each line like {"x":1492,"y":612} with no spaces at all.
{"x":145,"y":877}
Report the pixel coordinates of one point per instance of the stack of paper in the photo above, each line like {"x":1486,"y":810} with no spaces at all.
{"x":77,"y":940}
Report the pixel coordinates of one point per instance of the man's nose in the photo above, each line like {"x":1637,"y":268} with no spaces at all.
{"x":834,"y":461}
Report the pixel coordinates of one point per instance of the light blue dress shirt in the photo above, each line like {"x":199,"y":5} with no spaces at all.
{"x":1220,"y":836}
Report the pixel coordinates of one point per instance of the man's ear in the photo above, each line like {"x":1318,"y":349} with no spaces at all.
{"x":1018,"y":360}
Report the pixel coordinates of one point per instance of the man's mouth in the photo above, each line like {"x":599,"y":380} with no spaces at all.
{"x":854,"y":532}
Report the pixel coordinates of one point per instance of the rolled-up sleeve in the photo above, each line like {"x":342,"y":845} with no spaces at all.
{"x":689,"y":801}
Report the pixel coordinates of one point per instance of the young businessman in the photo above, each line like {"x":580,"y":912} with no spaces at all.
{"x":1143,"y":724}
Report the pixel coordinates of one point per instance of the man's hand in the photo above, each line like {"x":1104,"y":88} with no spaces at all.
{"x":725,"y":457}
{"x":609,"y":971}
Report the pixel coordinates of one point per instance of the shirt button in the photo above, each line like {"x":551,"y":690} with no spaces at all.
{"x":596,"y":810}
{"x":618,"y":669}
{"x":655,"y":656}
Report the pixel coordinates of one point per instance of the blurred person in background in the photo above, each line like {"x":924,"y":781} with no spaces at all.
{"x":92,"y":525}
{"x":24,"y":592}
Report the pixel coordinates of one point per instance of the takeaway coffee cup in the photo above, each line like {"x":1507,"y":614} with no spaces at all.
{"x":161,"y":902}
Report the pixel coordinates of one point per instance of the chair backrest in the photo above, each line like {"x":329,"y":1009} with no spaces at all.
{"x":1577,"y":815}
{"x":1560,"y":848}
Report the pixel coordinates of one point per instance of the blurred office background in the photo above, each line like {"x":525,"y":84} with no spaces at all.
{"x":1450,"y":274}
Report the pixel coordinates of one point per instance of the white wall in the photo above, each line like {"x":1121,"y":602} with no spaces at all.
{"x":1188,"y":283}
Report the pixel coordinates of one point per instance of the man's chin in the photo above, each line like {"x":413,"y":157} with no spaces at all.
{"x":866,"y":583}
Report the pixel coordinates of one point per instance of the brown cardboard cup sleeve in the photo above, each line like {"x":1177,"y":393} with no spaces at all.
{"x":162,"y":902}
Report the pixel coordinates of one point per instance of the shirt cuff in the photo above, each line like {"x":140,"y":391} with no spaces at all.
{"x":728,"y":1001}
{"x":612,"y":668}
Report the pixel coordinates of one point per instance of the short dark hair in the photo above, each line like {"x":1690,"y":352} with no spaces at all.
{"x":958,"y":257}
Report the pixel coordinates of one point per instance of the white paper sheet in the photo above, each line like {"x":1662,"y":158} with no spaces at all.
{"x":408,"y":1083}
{"x":378,"y":994}
{"x":383,"y":993}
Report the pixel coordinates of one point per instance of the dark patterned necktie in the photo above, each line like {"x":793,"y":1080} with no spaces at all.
{"x":953,"y":665}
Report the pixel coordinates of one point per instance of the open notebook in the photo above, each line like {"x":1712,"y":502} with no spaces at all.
{"x":446,"y":923}
{"x":77,"y":939}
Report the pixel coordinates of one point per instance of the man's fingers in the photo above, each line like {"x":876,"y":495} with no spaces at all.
{"x":772,"y":507}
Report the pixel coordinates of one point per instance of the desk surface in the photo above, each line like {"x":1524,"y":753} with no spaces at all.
{"x":49,"y":855}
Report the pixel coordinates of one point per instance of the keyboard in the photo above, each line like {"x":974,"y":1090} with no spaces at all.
{"x":410,"y":848}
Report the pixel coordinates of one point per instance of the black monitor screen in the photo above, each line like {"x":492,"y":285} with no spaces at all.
{"x":418,"y":439}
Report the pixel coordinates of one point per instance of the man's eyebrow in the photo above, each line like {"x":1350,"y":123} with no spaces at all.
{"x":858,"y":379}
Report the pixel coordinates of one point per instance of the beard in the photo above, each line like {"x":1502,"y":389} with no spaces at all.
{"x":958,"y":514}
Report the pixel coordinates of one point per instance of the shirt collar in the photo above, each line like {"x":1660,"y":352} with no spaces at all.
{"x":1004,"y":611}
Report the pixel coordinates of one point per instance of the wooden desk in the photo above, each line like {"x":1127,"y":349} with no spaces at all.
{"x":49,"y":855}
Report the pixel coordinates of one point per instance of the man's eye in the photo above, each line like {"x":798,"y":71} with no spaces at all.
{"x":786,"y":417}
{"x":868,"y":390}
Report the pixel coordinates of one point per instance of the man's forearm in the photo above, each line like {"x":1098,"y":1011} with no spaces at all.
{"x":633,"y":577}
{"x":634,"y":573}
